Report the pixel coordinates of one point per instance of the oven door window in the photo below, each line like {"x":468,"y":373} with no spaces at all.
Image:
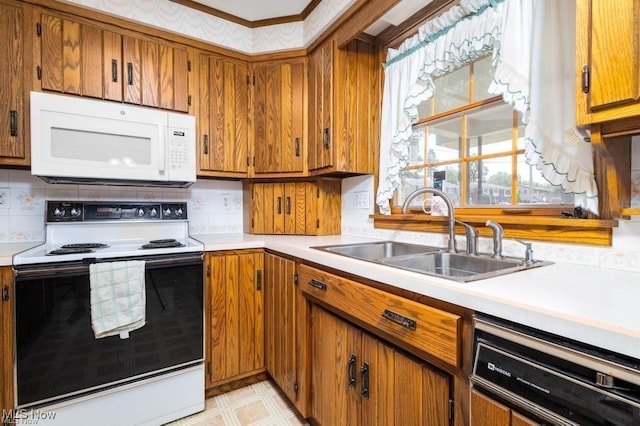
{"x":58,"y":355}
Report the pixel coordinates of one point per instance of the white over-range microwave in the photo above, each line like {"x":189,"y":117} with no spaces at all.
{"x":80,"y":140}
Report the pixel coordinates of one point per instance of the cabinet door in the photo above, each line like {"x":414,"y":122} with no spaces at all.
{"x":487,"y":412}
{"x":12,"y":107}
{"x":80,"y":59}
{"x":223,"y":148}
{"x":278,"y":119}
{"x":236,"y":315}
{"x":608,"y":46}
{"x":320,"y":108}
{"x":295,"y":207}
{"x":330,"y":368}
{"x":286,"y":323}
{"x":6,"y":339}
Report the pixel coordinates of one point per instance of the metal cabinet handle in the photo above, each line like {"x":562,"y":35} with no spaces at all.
{"x":205,"y":148}
{"x":364,"y":371}
{"x":586,"y":79}
{"x":325,"y":137}
{"x":318,"y":284}
{"x":279,"y":205}
{"x":399,"y":319}
{"x":259,"y":280}
{"x":114,"y":70}
{"x":351,"y":382}
{"x":129,"y":73}
{"x":13,"y":123}
{"x":297,"y":142}
{"x":287,"y":205}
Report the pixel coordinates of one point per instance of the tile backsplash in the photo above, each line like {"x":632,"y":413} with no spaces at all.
{"x":214,"y":206}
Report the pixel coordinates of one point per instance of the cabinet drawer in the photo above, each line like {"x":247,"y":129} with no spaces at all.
{"x":425,"y":328}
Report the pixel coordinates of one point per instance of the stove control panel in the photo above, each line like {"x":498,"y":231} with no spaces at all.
{"x":77,"y":211}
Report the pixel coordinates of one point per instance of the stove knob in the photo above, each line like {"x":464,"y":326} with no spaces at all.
{"x":153,"y":212}
{"x":167,"y":212}
{"x":179,"y":211}
{"x":140,"y":212}
{"x":58,"y":212}
{"x":75,"y":212}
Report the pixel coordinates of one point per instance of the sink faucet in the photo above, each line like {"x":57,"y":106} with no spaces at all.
{"x":498,"y":233}
{"x":451,"y":246}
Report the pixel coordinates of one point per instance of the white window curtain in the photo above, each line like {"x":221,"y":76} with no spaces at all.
{"x":532,"y":60}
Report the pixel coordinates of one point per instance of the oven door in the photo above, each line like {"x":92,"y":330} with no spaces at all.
{"x":57,"y":354}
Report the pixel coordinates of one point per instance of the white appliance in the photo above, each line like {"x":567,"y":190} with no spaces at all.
{"x":80,"y":140}
{"x":64,"y":375}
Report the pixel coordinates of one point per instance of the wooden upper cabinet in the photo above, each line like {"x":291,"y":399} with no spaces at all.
{"x":279,"y":118}
{"x":344,"y":108}
{"x":223,"y":117}
{"x":294,"y":208}
{"x":87,"y":60}
{"x":13,"y":120}
{"x":607,"y":60}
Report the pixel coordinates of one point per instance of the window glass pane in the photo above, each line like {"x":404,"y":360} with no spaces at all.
{"x":489,"y":181}
{"x":443,"y":140}
{"x":490,"y":130}
{"x":452,"y":90}
{"x":410,"y":180}
{"x":417,"y":146}
{"x":482,"y":77}
{"x":534,"y":189}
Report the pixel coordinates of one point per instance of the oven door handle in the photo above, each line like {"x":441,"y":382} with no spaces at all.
{"x":76,"y":269}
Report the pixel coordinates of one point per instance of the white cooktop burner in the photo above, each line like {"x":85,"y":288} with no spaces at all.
{"x":121,"y":237}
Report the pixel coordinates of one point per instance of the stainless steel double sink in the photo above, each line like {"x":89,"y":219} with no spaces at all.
{"x":432,"y":261}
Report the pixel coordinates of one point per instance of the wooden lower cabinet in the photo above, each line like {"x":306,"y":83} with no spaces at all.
{"x":358,"y":379}
{"x":486,"y":411}
{"x":6,"y":340}
{"x":286,"y":314}
{"x":235,"y":314}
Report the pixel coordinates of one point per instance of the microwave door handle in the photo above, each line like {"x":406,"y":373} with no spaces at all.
{"x":163,"y":151}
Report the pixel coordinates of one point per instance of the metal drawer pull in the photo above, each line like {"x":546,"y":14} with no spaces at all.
{"x":114,"y":70}
{"x":351,"y":382}
{"x":13,"y":123}
{"x":365,"y":380}
{"x":399,"y":319}
{"x":318,"y":284}
{"x":130,"y":73}
{"x":287,"y":205}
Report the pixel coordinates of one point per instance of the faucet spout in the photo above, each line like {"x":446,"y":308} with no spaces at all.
{"x":451,"y":246}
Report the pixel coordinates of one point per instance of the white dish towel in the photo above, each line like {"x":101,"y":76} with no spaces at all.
{"x":118,"y":298}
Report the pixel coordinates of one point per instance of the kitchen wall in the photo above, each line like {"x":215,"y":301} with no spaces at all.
{"x":358,"y":200}
{"x":214,"y":206}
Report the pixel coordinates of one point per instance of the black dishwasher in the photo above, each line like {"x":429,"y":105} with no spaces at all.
{"x":558,"y":381}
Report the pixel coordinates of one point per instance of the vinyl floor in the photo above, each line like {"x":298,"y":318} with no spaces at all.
{"x":258,"y":404}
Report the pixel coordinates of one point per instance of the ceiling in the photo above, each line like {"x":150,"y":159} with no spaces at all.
{"x":251,"y":11}
{"x":257,"y":10}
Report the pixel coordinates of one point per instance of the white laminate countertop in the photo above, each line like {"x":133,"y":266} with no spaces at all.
{"x":7,"y":250}
{"x":591,"y":305}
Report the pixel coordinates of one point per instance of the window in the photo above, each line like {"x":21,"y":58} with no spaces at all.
{"x":477,"y":140}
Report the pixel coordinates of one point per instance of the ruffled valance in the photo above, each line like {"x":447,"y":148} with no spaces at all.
{"x":518,"y":34}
